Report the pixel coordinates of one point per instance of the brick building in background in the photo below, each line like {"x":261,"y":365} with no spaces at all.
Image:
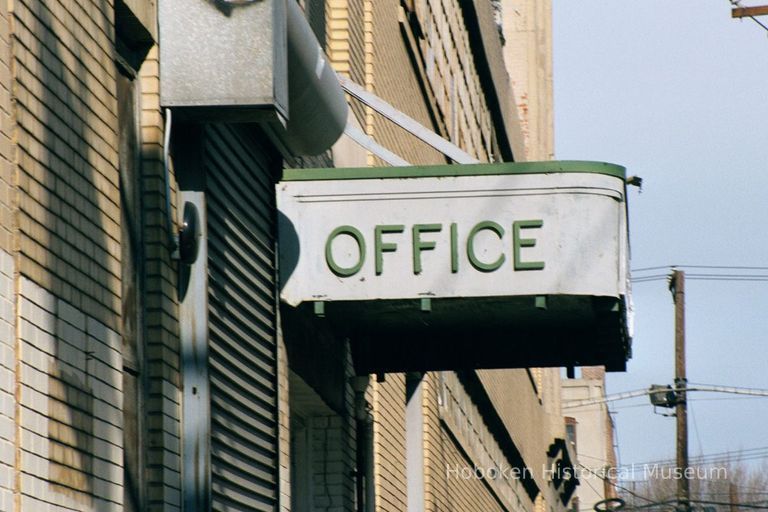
{"x":133,"y":380}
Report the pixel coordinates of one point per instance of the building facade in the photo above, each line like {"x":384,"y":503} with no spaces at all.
{"x":591,"y":431}
{"x":146,"y":359}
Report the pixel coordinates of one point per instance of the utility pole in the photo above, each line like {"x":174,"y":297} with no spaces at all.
{"x":677,"y":287}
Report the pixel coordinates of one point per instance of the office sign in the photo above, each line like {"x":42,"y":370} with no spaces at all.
{"x":488,"y":230}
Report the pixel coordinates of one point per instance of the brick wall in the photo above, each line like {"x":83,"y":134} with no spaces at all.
{"x":330,"y":464}
{"x":389,"y":443}
{"x":7,"y":149}
{"x":527,"y":27}
{"x":284,"y":423}
{"x":69,"y":417}
{"x":64,"y":89}
{"x":8,"y":388}
{"x":458,"y":439}
{"x":161,"y":307}
{"x":514,"y":397}
{"x":453,"y":77}
{"x":60,"y":221}
{"x":391,"y":77}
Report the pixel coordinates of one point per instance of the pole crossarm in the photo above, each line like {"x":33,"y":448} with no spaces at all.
{"x":748,"y":12}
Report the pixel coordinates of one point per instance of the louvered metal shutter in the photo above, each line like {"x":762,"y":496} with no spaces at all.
{"x":242,"y":321}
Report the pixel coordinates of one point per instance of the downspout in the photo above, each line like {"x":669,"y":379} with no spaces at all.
{"x":173,"y":237}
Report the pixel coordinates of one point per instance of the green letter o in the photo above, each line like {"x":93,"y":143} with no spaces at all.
{"x":335,"y":268}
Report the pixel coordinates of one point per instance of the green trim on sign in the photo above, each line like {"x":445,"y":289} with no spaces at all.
{"x":443,"y":171}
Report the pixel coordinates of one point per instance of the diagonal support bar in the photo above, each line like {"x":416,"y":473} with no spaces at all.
{"x":407,"y":123}
{"x":357,"y":135}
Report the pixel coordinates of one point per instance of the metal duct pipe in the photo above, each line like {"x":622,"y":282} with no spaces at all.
{"x":317,"y":108}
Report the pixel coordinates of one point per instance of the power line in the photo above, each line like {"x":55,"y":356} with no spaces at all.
{"x":761,"y":450}
{"x":615,"y":428}
{"x":758,"y":506}
{"x":708,"y":388}
{"x":704,"y":277}
{"x":711,"y":267}
{"x":746,"y":273}
{"x":720,"y":398}
{"x":712,"y":461}
{"x":606,"y":479}
{"x":695,"y":428}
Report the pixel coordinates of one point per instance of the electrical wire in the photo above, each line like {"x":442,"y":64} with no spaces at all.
{"x":690,"y":387}
{"x":590,"y":483}
{"x":745,"y":273}
{"x":636,"y":406}
{"x":606,"y":479}
{"x":615,"y":429}
{"x":597,"y":459}
{"x":719,"y":456}
{"x":757,"y":506}
{"x":712,"y":267}
{"x":696,"y":430}
{"x":729,"y":398}
{"x":712,"y":462}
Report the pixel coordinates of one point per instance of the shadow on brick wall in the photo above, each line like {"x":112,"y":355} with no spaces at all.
{"x":69,"y":209}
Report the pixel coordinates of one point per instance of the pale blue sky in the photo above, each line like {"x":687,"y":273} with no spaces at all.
{"x":678,"y":93}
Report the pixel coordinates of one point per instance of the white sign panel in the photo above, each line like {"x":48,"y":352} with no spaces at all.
{"x":483,"y":235}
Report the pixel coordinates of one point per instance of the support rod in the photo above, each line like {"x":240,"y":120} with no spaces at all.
{"x":407,"y":123}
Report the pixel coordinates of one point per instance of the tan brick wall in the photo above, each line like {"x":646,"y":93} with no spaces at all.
{"x":69,"y":410}
{"x":7,"y":147}
{"x":453,"y":77}
{"x":284,"y":423}
{"x":445,"y":489}
{"x":64,"y":85}
{"x":593,"y":372}
{"x":161,"y":307}
{"x":527,"y":26}
{"x":514,"y":397}
{"x":390,"y":75}
{"x":8,"y":382}
{"x":389,"y":443}
{"x":458,"y":440}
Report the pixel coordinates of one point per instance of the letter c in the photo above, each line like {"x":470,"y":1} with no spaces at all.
{"x":473,"y":260}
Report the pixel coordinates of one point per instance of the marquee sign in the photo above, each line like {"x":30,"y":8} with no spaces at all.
{"x":465,"y":235}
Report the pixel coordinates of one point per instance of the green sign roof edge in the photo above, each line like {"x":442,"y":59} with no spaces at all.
{"x":448,"y":170}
